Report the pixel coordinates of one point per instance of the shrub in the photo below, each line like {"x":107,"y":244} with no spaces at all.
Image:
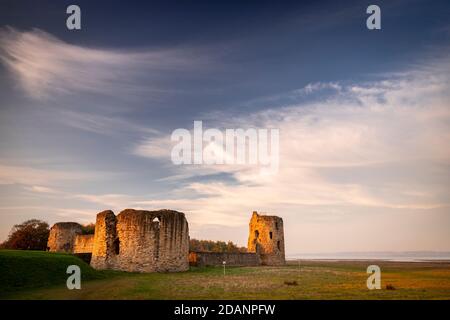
{"x":214,"y":246}
{"x":390,"y":287}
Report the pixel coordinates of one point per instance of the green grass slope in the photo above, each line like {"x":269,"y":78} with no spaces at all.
{"x":21,"y":270}
{"x":42,"y":275}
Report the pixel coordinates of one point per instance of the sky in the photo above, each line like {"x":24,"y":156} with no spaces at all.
{"x":86,"y":116}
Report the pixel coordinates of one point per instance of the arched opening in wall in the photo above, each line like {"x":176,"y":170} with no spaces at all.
{"x":156,"y":222}
{"x":117,"y":246}
{"x":270,"y":234}
{"x":279,"y":245}
{"x":276,"y":225}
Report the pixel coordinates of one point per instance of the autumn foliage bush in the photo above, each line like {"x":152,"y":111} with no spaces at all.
{"x":29,"y":235}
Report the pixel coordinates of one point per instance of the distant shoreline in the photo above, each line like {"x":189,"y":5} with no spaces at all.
{"x":407,"y":256}
{"x":369,"y":259}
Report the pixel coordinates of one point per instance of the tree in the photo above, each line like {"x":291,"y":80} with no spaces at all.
{"x":214,"y":246}
{"x":29,"y":235}
{"x":88,"y":228}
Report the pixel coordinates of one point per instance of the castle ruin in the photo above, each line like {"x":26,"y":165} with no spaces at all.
{"x":158,"y":241}
{"x":142,"y":241}
{"x":62,"y":236}
{"x":266,"y":238}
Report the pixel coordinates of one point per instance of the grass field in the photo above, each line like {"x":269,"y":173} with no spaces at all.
{"x":42,"y":275}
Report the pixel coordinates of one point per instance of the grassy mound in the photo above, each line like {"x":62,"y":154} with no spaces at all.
{"x":20,"y":269}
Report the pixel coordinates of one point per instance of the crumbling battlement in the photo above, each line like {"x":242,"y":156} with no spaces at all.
{"x":266,"y":238}
{"x":141,"y":241}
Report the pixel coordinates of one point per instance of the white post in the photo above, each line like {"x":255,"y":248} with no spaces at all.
{"x":224,"y":263}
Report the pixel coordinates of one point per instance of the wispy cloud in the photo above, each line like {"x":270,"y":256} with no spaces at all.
{"x":366,"y":145}
{"x":42,"y":189}
{"x":154,"y":147}
{"x":112,"y":201}
{"x":38,"y":178}
{"x":100,"y":124}
{"x":46,"y":66}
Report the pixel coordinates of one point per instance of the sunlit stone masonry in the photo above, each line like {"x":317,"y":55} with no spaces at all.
{"x":141,"y":241}
{"x":62,"y":236}
{"x":158,"y":241}
{"x":266,"y":239}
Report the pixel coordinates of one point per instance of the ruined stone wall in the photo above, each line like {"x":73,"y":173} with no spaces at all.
{"x":105,"y":233}
{"x":138,"y":240}
{"x":62,"y":236}
{"x":201,"y":259}
{"x":141,"y":241}
{"x":266,"y":238}
{"x":158,"y":241}
{"x":83,"y":243}
{"x":173,"y":245}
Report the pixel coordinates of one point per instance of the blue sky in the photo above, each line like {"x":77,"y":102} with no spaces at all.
{"x":86,"y":116}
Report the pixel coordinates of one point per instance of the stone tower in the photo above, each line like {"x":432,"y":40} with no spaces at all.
{"x":62,"y":236}
{"x":266,"y":238}
{"x":104,"y":237}
{"x":141,"y":241}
